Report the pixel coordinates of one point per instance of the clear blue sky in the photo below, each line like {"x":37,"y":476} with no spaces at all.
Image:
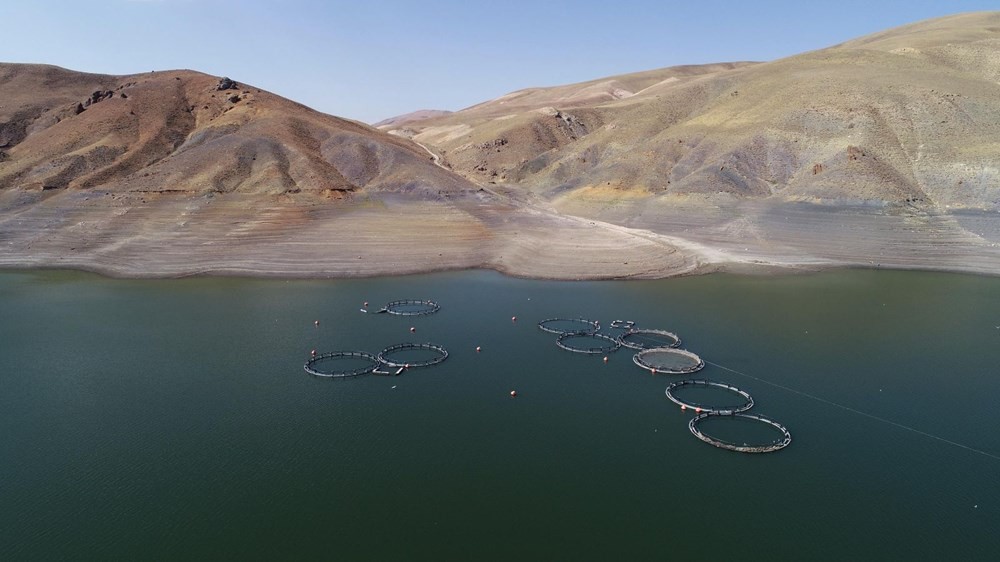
{"x":371,"y":59}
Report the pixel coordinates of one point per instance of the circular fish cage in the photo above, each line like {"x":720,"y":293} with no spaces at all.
{"x":411,"y":307}
{"x":786,"y":437}
{"x":700,"y":408}
{"x":668,"y":361}
{"x":563,"y":326}
{"x":587,"y":342}
{"x":435,"y":354}
{"x":648,"y":339}
{"x":312,"y":366}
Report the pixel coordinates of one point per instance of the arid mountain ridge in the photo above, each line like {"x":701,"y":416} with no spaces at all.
{"x":904,"y":116}
{"x":881,"y":151}
{"x":187,"y":131}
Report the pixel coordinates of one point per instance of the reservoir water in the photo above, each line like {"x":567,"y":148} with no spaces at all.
{"x":173,"y":419}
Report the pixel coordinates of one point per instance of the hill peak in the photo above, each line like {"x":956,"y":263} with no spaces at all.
{"x":182,"y":129}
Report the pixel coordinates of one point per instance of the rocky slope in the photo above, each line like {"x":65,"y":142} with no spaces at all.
{"x":880,"y":152}
{"x":184,"y":131}
{"x":180,"y":173}
{"x":907,"y":116}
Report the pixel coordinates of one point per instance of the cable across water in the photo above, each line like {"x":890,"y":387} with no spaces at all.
{"x":859,"y":412}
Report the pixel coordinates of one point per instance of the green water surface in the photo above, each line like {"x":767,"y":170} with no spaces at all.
{"x":173,"y":420}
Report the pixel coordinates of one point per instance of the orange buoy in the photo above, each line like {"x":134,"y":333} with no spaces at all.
{"x":513,"y":394}
{"x":478,"y":349}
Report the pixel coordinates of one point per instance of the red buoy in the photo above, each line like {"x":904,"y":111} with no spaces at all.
{"x":684,"y":407}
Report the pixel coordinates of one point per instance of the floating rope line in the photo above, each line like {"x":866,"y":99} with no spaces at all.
{"x":862,"y":413}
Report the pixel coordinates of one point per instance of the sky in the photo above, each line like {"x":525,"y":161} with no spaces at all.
{"x":373,"y":59}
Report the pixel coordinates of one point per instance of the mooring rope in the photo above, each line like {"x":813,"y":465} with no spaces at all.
{"x":859,"y":412}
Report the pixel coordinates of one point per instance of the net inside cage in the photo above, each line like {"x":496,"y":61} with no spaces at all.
{"x":649,"y":339}
{"x":669,"y":360}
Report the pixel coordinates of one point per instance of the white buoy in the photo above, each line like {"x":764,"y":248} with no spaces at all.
{"x":316,"y":323}
{"x":513,"y":394}
{"x":412,"y":329}
{"x":513,"y":318}
{"x":478,"y":349}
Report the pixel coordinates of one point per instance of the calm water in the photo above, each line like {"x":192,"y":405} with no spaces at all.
{"x":172,"y":419}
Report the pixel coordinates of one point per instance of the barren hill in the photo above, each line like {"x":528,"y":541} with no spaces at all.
{"x":494,"y":140}
{"x":411,"y":117}
{"x":178,"y":173}
{"x":880,"y":152}
{"x":904,"y":116}
{"x":187,"y":131}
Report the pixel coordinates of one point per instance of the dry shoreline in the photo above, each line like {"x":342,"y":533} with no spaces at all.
{"x":163,"y":236}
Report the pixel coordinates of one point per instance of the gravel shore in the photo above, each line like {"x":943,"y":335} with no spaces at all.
{"x":164,"y":235}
